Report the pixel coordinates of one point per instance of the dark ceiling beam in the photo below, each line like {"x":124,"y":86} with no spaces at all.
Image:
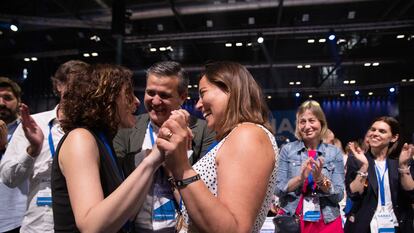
{"x":56,"y":22}
{"x":227,"y":7}
{"x":298,"y":30}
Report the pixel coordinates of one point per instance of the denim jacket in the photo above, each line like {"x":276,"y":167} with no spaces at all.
{"x":290,"y":160}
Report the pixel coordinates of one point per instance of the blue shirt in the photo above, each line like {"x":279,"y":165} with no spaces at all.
{"x":290,"y":160}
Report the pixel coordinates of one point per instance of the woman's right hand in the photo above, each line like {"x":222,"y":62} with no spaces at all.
{"x":306,"y":169}
{"x":358,"y":154}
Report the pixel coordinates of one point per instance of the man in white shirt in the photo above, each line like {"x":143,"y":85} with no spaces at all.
{"x":30,"y":152}
{"x":12,"y":200}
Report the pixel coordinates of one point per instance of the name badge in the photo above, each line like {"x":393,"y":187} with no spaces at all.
{"x":311,"y":209}
{"x":44,"y":198}
{"x":384,"y":220}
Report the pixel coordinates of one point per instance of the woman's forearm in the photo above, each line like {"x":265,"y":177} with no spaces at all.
{"x":294,"y":183}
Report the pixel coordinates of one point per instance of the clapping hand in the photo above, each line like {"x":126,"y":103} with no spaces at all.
{"x":32,"y":132}
{"x":358,"y":154}
{"x":405,"y":155}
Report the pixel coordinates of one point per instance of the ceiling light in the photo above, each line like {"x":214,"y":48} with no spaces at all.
{"x":370,"y":93}
{"x":189,"y":86}
{"x":209,"y":23}
{"x":228,"y":45}
{"x":269,"y":97}
{"x":311,"y":41}
{"x":342,"y":95}
{"x":351,"y":15}
{"x":13,"y":26}
{"x":195,"y":86}
{"x":297,"y":94}
{"x":352,"y":82}
{"x":400,"y":36}
{"x":356,"y":92}
{"x":25,"y":73}
{"x":160,"y":27}
{"x":411,"y":80}
{"x":331,"y":37}
{"x":392,"y":89}
{"x":188,"y":97}
{"x":170,"y":48}
{"x":33,"y":58}
{"x":162,"y":48}
{"x":299,"y":66}
{"x":341,"y":41}
{"x":298,"y":83}
{"x":307,"y":66}
{"x":251,"y":20}
{"x":249,"y":44}
{"x":305,"y":17}
{"x":26,"y":59}
{"x":367,"y":64}
{"x":1,"y":32}
{"x":310,"y":96}
{"x":95,"y":38}
{"x":346,"y":81}
{"x":375,"y":64}
{"x":260,"y":40}
{"x":153,"y":49}
{"x":291,"y":83}
{"x":238,"y":44}
{"x":86,"y":55}
{"x":322,"y":40}
{"x":404,"y":80}
{"x":94,"y":54}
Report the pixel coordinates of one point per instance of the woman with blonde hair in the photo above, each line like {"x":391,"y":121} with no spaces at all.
{"x":310,"y":176}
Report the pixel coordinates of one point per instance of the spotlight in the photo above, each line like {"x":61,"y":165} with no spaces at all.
{"x":331,"y":37}
{"x":33,"y":58}
{"x":370,"y":93}
{"x":342,"y":95}
{"x":297,"y":94}
{"x":14,"y":26}
{"x":310,"y":96}
{"x":356,"y":92}
{"x":26,"y":59}
{"x":299,"y":66}
{"x":269,"y":97}
{"x":310,"y":41}
{"x":228,"y":45}
{"x":392,"y":89}
{"x":260,"y":40}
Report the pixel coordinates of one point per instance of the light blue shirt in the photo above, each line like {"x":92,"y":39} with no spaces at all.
{"x":290,"y":160}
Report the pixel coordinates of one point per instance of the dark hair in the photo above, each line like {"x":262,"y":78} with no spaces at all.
{"x":170,"y":69}
{"x":394,"y":148}
{"x":90,"y":98}
{"x":246,"y":102}
{"x":66,"y":71}
{"x":6,"y":82}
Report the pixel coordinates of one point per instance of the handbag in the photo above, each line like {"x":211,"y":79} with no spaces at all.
{"x":286,"y":224}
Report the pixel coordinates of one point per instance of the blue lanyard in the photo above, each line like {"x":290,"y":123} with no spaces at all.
{"x":381,"y":183}
{"x":108,"y":148}
{"x":50,"y":139}
{"x":151,"y":133}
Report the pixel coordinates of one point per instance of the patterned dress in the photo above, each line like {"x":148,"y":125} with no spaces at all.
{"x":207,"y":169}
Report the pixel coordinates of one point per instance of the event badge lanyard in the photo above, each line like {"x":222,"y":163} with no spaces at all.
{"x":384,"y":219}
{"x":111,"y":154}
{"x":44,"y":197}
{"x":167,"y":206}
{"x":311,"y":205}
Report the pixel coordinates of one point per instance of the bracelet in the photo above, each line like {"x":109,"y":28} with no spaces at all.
{"x":185,"y":182}
{"x":362,"y":174}
{"x":325,"y":182}
{"x":404,"y":171}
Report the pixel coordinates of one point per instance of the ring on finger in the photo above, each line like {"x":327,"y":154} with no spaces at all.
{"x":169,"y":134}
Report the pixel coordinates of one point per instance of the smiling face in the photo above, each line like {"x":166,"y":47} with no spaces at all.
{"x":212,"y":103}
{"x":309,"y":127}
{"x":162,"y":97}
{"x":127,"y":104}
{"x":380,"y":135}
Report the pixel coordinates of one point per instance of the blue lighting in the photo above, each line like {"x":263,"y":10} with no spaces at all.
{"x":297,"y":94}
{"x":356,"y":92}
{"x":331,"y":37}
{"x":392,"y":89}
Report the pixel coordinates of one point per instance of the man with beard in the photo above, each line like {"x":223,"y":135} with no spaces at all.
{"x":12,"y":200}
{"x":166,"y":90}
{"x":30,"y":152}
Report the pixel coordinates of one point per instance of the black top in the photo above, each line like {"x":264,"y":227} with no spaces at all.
{"x":63,"y":217}
{"x":365,"y":204}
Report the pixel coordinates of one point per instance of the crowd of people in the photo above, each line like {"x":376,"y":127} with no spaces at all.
{"x":92,"y":165}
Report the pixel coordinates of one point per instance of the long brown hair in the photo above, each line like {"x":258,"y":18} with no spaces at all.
{"x":246,"y":102}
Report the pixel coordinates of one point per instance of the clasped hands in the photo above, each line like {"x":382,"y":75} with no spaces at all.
{"x":174,"y":139}
{"x":312,"y":166}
